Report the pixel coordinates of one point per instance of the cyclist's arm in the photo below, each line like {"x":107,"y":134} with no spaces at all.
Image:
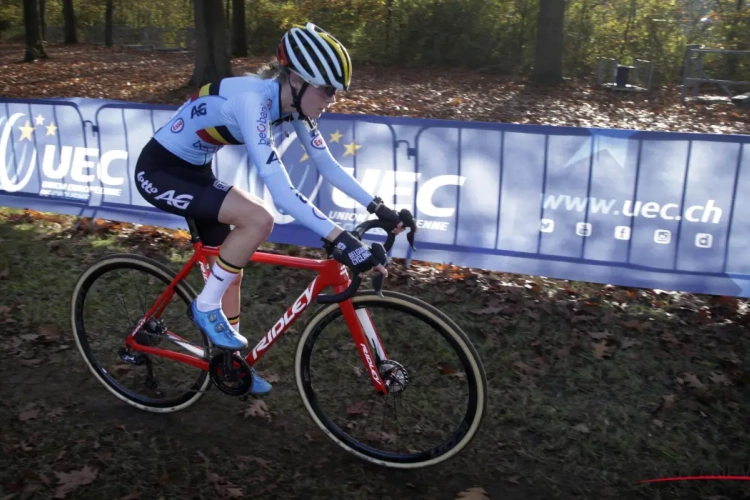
{"x":329,"y":168}
{"x":252,"y":116}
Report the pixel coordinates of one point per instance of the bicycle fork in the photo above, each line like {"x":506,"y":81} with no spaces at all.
{"x":368,"y":342}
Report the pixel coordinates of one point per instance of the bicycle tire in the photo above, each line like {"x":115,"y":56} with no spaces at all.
{"x":439,"y":321}
{"x":165,"y":275}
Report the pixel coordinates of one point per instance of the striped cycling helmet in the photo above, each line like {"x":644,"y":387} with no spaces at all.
{"x":316,"y":56}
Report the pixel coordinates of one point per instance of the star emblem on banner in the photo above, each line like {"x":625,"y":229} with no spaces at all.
{"x":351,"y":148}
{"x":27,"y":130}
{"x":336,"y":136}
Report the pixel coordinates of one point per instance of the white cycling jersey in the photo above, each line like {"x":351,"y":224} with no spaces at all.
{"x":242,"y":110}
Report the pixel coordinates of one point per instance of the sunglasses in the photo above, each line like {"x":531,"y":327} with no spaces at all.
{"x":329,"y":90}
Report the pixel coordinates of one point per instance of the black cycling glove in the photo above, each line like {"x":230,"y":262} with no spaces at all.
{"x":353,"y":253}
{"x":384,"y":213}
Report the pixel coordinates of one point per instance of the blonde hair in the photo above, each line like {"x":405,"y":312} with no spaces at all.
{"x":272,"y":70}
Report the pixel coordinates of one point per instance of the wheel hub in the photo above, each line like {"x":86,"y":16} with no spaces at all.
{"x":394,"y":376}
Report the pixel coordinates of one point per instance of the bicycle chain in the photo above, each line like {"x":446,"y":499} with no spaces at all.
{"x":159,"y":336}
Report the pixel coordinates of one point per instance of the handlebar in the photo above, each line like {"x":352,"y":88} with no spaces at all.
{"x":378,"y":249}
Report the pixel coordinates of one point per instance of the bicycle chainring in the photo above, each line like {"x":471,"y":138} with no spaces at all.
{"x":394,"y":376}
{"x":231,"y":374}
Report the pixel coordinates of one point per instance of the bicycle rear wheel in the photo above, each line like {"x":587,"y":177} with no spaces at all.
{"x":109,"y":301}
{"x":438,"y":392}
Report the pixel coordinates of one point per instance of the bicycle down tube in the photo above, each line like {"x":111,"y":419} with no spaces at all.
{"x":330,"y":273}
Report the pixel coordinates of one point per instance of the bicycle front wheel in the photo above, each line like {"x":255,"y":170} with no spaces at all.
{"x":109,"y":301}
{"x":437,"y":397}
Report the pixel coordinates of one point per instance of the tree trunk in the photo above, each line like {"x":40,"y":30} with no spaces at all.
{"x":212,"y":62}
{"x":731,"y":42}
{"x":42,"y":19}
{"x":108,"y":23}
{"x":34,"y":46}
{"x":549,"y":42}
{"x":239,"y":31}
{"x":388,"y":28}
{"x":69,"y":21}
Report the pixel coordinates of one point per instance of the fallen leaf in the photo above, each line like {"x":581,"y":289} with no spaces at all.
{"x":213,"y":477}
{"x":381,"y":437}
{"x":204,"y":457}
{"x":582,"y":428}
{"x":357,"y":409}
{"x":600,"y":349}
{"x":526,"y":369}
{"x":599,"y":335}
{"x":720,"y":379}
{"x":446,"y":369}
{"x":658,"y":423}
{"x":669,"y":401}
{"x":270,"y":377}
{"x":50,"y":330}
{"x":4,"y":274}
{"x":694,"y":382}
{"x":72,"y":480}
{"x":258,"y":408}
{"x":473,"y":494}
{"x":55,"y":412}
{"x":28,"y":414}
{"x":627,"y":343}
{"x":233,"y":492}
{"x":669,"y":338}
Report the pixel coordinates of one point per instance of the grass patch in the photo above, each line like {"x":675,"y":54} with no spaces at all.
{"x":592,"y":389}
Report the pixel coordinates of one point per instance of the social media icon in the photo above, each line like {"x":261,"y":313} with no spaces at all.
{"x":704,"y":240}
{"x":622,"y":232}
{"x":583,"y":229}
{"x":663,"y":236}
{"x":547,"y":226}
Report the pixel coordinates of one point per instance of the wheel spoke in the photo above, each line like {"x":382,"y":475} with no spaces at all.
{"x":425,"y":415}
{"x":179,"y":384}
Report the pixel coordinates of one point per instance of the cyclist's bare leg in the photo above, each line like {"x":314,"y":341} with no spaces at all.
{"x":252,"y":223}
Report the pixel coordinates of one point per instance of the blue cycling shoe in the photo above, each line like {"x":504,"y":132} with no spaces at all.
{"x":216,"y":327}
{"x":260,"y":385}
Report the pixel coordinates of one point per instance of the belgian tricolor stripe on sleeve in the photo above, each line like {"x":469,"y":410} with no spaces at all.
{"x":219,"y":136}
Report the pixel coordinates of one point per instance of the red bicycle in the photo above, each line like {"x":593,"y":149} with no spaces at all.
{"x":157,"y":360}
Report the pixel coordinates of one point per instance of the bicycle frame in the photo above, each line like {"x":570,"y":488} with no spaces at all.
{"x":329,"y":273}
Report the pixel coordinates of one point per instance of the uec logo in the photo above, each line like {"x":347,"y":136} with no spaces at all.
{"x":79,"y":162}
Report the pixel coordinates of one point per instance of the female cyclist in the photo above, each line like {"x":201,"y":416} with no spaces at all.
{"x":174,"y":171}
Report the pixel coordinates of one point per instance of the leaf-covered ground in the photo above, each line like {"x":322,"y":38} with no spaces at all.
{"x":161,"y":77}
{"x":591,"y":388}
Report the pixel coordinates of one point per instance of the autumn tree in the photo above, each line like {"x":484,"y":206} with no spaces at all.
{"x":239,"y":30}
{"x":548,"y":55}
{"x":109,"y":23}
{"x":69,"y":22}
{"x":212,"y":62}
{"x":33,"y":36}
